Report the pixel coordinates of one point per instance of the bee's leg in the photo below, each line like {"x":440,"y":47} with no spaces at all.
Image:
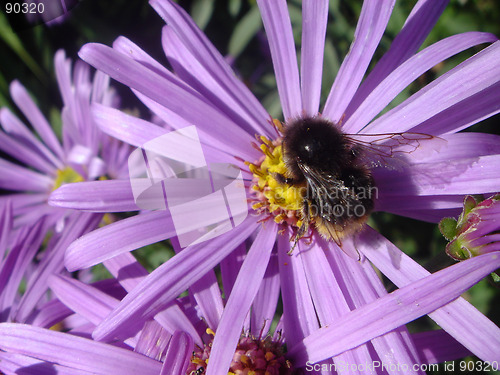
{"x":282,"y":179}
{"x":306,"y":218}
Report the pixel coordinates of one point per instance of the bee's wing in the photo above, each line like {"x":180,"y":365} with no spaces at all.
{"x":394,"y":150}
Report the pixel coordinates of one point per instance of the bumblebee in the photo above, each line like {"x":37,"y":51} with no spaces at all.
{"x":333,"y":170}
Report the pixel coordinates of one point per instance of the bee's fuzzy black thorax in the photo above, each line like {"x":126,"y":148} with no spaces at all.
{"x":316,"y":142}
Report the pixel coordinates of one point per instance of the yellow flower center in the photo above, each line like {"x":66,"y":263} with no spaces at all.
{"x":272,"y":197}
{"x":66,"y":176}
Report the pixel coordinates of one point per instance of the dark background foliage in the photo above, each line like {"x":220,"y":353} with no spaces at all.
{"x":235,"y":28}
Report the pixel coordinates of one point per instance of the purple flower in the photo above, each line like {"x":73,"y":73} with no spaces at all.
{"x":84,"y":154}
{"x":177,"y":341}
{"x":336,"y":310}
{"x":23,"y":268}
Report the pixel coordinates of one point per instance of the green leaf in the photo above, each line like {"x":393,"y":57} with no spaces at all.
{"x":234,"y":7}
{"x":244,"y":31}
{"x":202,"y":11}
{"x":12,"y":40}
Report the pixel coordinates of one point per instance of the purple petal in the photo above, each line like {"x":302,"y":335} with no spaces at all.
{"x":364,"y":286}
{"x":409,"y":71}
{"x":395,"y":309}
{"x":73,"y":352}
{"x":330,"y":301}
{"x":137,"y":132}
{"x":265,"y":302}
{"x":276,"y":21}
{"x":85,"y":300}
{"x":438,"y":346}
{"x":168,"y":281}
{"x":197,"y":43}
{"x":468,"y":112}
{"x":206,"y":293}
{"x":178,"y":355}
{"x":13,"y":126}
{"x":5,"y":227}
{"x":129,"y":273}
{"x":25,"y":154}
{"x":459,"y":318}
{"x":371,"y":25}
{"x":196,"y":74}
{"x":52,"y":261}
{"x":153,"y":340}
{"x":11,"y":363}
{"x":314,"y":20}
{"x":416,"y":28}
{"x":471,"y":77}
{"x":95,"y":196}
{"x":116,"y":238}
{"x":23,"y":100}
{"x":230,"y":267}
{"x":15,"y":177}
{"x":238,"y":305}
{"x":301,"y":317}
{"x":171,"y":93}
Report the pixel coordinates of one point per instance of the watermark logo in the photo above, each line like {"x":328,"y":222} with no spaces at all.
{"x":204,"y":200}
{"x":24,"y":14}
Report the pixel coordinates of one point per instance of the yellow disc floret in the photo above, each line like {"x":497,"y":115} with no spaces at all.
{"x":66,"y":176}
{"x":272,"y":196}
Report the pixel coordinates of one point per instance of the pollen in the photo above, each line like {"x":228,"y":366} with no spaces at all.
{"x":66,"y":176}
{"x":271,"y":196}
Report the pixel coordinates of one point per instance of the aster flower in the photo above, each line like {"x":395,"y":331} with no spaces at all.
{"x":21,"y":268}
{"x":319,"y":284}
{"x":84,"y":154}
{"x":178,"y":341}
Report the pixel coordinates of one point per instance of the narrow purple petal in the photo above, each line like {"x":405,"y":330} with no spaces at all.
{"x":419,"y":23}
{"x":168,"y":281}
{"x":85,"y":300}
{"x":471,"y":77}
{"x":52,"y":261}
{"x":460,"y":177}
{"x":230,"y":267}
{"x":25,"y":154}
{"x":5,"y":227}
{"x":330,"y":297}
{"x":168,"y":92}
{"x":206,"y":293}
{"x":314,"y":20}
{"x":459,"y":318}
{"x":198,"y":44}
{"x":23,"y":100}
{"x":238,"y":305}
{"x":13,"y":364}
{"x":13,"y":126}
{"x":266,"y":300}
{"x":409,"y":71}
{"x":129,"y":272}
{"x":74,"y":352}
{"x":276,"y":21}
{"x":152,"y":340}
{"x":195,"y":73}
{"x":178,"y":354}
{"x":15,"y":177}
{"x":116,"y":238}
{"x":371,"y":25}
{"x":364,"y":286}
{"x":438,"y":346}
{"x":469,"y":111}
{"x":395,"y":309}
{"x":301,"y":319}
{"x":95,"y":196}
